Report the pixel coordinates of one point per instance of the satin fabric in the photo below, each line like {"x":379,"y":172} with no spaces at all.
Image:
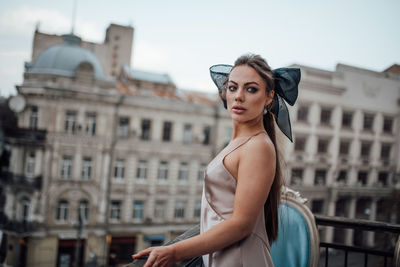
{"x":217,"y":205}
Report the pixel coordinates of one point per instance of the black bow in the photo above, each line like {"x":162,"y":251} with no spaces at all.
{"x":286,"y":87}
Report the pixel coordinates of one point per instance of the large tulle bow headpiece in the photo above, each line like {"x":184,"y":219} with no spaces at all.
{"x":286,"y":89}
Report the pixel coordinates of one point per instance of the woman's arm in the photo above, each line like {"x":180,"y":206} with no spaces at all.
{"x":256,"y":170}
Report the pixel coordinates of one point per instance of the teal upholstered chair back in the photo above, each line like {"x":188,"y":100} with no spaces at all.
{"x":298,"y":240}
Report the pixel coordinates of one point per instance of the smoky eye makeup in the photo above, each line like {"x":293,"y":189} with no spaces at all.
{"x":252,"y":90}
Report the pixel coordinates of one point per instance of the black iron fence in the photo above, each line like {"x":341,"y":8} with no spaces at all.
{"x":389,"y":254}
{"x":15,"y":180}
{"x":15,"y":226}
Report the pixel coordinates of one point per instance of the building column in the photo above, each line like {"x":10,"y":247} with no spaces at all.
{"x":352,"y":176}
{"x":331,"y":212}
{"x":140,"y":243}
{"x":372,"y":217}
{"x":351,"y":215}
{"x":372,"y":177}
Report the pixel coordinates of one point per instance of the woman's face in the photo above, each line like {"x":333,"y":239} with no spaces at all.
{"x":246,"y":94}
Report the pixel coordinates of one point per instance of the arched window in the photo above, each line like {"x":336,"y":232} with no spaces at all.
{"x":83,"y":210}
{"x":62,"y":210}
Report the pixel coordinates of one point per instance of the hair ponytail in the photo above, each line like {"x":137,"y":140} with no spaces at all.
{"x":272,"y":204}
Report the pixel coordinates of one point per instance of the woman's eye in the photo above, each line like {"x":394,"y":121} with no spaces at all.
{"x":231,"y":88}
{"x":252,"y":90}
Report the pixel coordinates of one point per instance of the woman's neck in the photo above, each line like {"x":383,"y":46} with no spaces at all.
{"x":247,"y":129}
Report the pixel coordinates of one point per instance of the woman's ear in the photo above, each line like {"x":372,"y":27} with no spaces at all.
{"x":270,"y":97}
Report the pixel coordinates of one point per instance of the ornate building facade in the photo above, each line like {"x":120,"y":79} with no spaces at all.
{"x":112,"y":158}
{"x":345,"y":156}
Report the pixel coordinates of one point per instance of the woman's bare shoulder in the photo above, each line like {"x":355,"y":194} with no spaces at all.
{"x":260,"y":144}
{"x":257,"y":159}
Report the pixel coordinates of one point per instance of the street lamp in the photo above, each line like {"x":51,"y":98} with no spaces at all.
{"x":79,"y":227}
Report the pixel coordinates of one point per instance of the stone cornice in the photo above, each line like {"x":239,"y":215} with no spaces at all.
{"x":323,"y":88}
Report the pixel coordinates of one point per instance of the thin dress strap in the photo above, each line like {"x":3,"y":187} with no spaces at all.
{"x":242,"y":143}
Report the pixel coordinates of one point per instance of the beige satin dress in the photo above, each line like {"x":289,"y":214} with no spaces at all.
{"x":217,"y":205}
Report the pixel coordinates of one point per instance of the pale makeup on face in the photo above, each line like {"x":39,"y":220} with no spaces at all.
{"x":246,"y":95}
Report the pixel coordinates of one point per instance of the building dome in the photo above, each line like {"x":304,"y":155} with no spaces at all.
{"x":64,"y":59}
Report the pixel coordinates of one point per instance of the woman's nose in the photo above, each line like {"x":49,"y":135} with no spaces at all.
{"x":239,"y":96}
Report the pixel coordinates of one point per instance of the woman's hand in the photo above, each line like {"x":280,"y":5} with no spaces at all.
{"x":158,"y":256}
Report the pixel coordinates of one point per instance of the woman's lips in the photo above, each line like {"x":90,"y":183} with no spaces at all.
{"x":238,"y":109}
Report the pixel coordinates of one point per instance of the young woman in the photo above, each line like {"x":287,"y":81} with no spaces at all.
{"x":242,"y":183}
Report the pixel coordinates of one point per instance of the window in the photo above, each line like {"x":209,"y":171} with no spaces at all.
{"x":179,"y":209}
{"x":25,"y":206}
{"x":302,"y":113}
{"x":368,"y":121}
{"x":183,"y":172}
{"x":385,"y":151}
{"x":325,"y":116}
{"x":320,"y":177}
{"x":344,"y":147}
{"x":86,"y":168}
{"x":123,"y":127}
{"x":341,"y":209}
{"x":323,"y":145}
{"x":66,"y":167}
{"x":119,"y":169}
{"x":70,"y":122}
{"x":83,"y":210}
{"x":197,"y":209}
{"x":317,"y":206}
{"x":342,"y":177}
{"x":90,"y":128}
{"x":138,"y":210}
{"x":365,"y":149}
{"x":163,"y":171}
{"x":159,"y":210}
{"x":387,"y":124}
{"x":363,"y":206}
{"x":142,"y":170}
{"x":202,"y":169}
{"x":30,"y":164}
{"x":62,"y":210}
{"x":33,"y":118}
{"x":206,"y":135}
{"x":347,"y":119}
{"x":383,"y":178}
{"x":300,"y":144}
{"x":187,"y":134}
{"x":146,"y":127}
{"x":297,"y":176}
{"x":115,"y":211}
{"x":362,"y":178}
{"x":167,"y":127}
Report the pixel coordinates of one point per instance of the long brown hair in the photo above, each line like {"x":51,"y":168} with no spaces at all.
{"x":272,"y":204}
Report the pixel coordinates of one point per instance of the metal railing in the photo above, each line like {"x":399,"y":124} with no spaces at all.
{"x":16,"y":180}
{"x":364,"y":225}
{"x":15,"y":226}
{"x":336,"y":222}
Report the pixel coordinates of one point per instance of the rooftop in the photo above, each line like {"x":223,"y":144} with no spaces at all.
{"x":65,"y":58}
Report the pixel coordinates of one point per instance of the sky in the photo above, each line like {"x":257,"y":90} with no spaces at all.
{"x":183,"y":38}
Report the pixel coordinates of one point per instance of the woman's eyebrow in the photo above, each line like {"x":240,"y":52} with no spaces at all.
{"x":251,"y":83}
{"x":232,"y":82}
{"x":245,"y":83}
